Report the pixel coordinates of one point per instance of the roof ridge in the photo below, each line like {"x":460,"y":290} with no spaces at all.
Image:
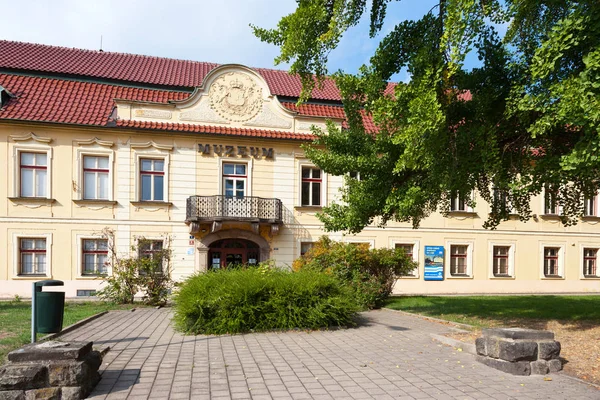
{"x":42,"y":45}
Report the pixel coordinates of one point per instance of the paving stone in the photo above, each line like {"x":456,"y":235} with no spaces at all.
{"x":283,"y":362}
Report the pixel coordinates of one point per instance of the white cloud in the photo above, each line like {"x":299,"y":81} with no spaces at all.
{"x":216,"y":31}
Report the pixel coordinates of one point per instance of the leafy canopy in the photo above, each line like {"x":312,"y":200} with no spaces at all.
{"x":525,"y":119}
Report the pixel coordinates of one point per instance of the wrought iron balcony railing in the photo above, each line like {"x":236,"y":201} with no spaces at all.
{"x":222,"y":208}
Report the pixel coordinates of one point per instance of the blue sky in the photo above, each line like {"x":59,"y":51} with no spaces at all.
{"x":215,"y":31}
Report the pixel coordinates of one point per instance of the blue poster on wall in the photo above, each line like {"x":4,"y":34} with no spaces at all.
{"x":434,"y":263}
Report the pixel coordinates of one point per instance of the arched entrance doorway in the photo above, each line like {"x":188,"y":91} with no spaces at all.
{"x":204,"y":246}
{"x":228,"y":253}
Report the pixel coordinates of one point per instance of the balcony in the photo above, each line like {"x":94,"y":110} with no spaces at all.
{"x":217,"y":209}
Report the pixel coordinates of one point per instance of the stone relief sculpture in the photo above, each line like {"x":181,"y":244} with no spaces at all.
{"x":235,"y":97}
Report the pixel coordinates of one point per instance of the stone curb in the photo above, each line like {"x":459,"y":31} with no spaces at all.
{"x":466,"y":347}
{"x":73,"y":326}
{"x":461,"y":327}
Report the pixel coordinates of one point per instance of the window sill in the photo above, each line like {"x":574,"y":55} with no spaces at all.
{"x":591,"y":277}
{"x":30,"y":277}
{"x":590,"y":218}
{"x":459,"y":277}
{"x":462,"y":214}
{"x":308,"y":208}
{"x":32,"y":200}
{"x":502,"y":277}
{"x":553,"y":277}
{"x":151,"y":203}
{"x":94,"y":202}
{"x":408,"y":277}
{"x":92,"y":277}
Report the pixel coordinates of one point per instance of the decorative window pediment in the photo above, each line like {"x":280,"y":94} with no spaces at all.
{"x":95,"y":141}
{"x":31,"y":136}
{"x":151,"y":144}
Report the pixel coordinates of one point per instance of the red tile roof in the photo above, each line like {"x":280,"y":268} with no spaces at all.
{"x":71,"y":102}
{"x":140,"y":68}
{"x":215,"y":130}
{"x":86,"y":103}
{"x":67,"y":100}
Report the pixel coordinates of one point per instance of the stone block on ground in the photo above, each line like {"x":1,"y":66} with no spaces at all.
{"x":492,"y":347}
{"x":72,"y":393}
{"x":12,"y":395}
{"x":554,"y":365}
{"x":68,"y":373}
{"x":50,"y":351}
{"x":548,"y":350}
{"x":518,"y":333}
{"x":480,"y":347}
{"x":23,"y":377}
{"x":43,"y":394}
{"x":539,"y":367}
{"x":514,"y":368}
{"x":517,"y":350}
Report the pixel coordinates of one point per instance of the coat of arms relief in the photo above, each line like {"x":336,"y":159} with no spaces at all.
{"x":235,"y":97}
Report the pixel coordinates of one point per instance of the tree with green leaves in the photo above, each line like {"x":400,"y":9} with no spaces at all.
{"x":523,"y":121}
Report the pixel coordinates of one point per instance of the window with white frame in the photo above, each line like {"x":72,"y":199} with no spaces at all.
{"x":409,"y":249}
{"x":552,"y":262}
{"x":590,"y":262}
{"x":501,"y":261}
{"x":305,"y":247}
{"x":235,"y":179}
{"x":590,"y":207}
{"x":312,"y":185}
{"x":459,"y":260}
{"x":152,"y":249}
{"x":96,"y":177}
{"x":94,"y":256}
{"x":550,"y":201}
{"x":33,"y":174}
{"x":152,"y":179}
{"x":458,"y":203}
{"x":355,"y":175}
{"x":502,"y":201}
{"x":32,"y":256}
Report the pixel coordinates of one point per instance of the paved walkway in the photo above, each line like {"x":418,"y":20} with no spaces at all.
{"x":391,"y":356}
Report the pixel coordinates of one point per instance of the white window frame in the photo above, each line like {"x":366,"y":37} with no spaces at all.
{"x":79,"y":241}
{"x":323,"y":185}
{"x":138,"y":170}
{"x":17,"y":150}
{"x":16,"y":237}
{"x":558,"y":206}
{"x":299,"y":242}
{"x":447,"y":254}
{"x":596,"y":211}
{"x":561,"y":260}
{"x":511,"y":259}
{"x":150,"y":239}
{"x":415,"y":255}
{"x":249,"y":167}
{"x":468,"y":209}
{"x":81,"y":153}
{"x":583,"y":246}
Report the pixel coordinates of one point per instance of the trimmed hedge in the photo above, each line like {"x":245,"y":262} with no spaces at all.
{"x":252,"y":300}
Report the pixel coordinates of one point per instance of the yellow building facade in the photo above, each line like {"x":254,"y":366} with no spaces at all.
{"x":214,"y":168}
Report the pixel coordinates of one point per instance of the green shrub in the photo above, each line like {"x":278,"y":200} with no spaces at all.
{"x":144,"y":271}
{"x":262,"y":299}
{"x":370,"y":273}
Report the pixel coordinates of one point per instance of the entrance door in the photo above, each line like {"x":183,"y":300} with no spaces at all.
{"x":233,"y":253}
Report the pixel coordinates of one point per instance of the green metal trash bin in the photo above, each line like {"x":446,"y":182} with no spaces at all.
{"x":49,"y":307}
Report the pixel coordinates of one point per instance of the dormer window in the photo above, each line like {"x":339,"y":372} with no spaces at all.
{"x":5,"y":96}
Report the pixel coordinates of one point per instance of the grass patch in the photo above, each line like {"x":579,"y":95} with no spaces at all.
{"x":246,"y":300}
{"x":485,"y":311}
{"x":15,"y":320}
